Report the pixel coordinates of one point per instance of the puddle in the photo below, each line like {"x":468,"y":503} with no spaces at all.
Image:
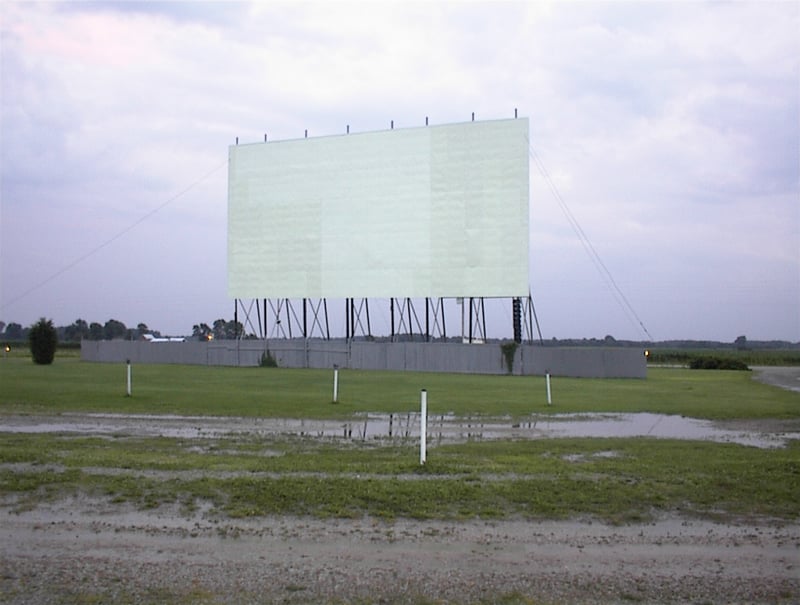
{"x":584,"y":457}
{"x":441,"y":428}
{"x":660,"y":426}
{"x":450,"y":428}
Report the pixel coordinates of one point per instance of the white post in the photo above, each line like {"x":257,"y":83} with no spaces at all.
{"x":547,"y":381}
{"x":460,"y":302}
{"x":335,"y":383}
{"x":423,"y":425}
{"x":128,"y":391}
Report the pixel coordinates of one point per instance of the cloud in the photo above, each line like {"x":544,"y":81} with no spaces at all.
{"x":215,"y":13}
{"x":670,"y":129}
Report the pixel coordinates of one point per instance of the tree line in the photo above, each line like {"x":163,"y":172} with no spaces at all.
{"x":113,"y":329}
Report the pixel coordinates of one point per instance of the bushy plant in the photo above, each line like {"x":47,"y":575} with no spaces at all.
{"x":43,"y":340}
{"x":715,"y":363}
{"x":509,"y":349}
{"x":268,"y":361}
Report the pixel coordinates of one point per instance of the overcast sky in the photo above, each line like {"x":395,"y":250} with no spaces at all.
{"x":670,"y":130}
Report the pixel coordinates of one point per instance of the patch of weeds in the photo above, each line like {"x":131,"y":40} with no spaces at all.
{"x":86,"y":599}
{"x":617,"y":480}
{"x":511,"y":598}
{"x":154,"y":595}
{"x":268,"y":360}
{"x":229,"y":531}
{"x":509,"y":349}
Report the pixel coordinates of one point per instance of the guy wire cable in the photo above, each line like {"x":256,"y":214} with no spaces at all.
{"x":113,"y":238}
{"x":601,"y":267}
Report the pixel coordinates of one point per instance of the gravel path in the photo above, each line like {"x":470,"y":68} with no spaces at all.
{"x":87,"y":552}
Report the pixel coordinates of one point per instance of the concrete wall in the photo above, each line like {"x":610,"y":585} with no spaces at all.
{"x":601,"y":362}
{"x":220,"y":353}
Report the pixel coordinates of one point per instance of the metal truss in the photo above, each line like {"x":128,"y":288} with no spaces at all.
{"x":525,"y":319}
{"x":312,"y":320}
{"x":308,"y":318}
{"x":404,"y":319}
{"x":355,"y":315}
{"x":477,"y":321}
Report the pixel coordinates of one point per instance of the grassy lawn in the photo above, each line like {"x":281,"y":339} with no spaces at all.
{"x":616,"y":480}
{"x":70,"y":385}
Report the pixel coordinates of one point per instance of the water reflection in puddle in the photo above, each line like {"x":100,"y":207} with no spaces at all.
{"x":658,"y":425}
{"x":441,"y":428}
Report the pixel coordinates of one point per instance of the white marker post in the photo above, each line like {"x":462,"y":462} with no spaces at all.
{"x":335,"y":383}
{"x":547,"y":381}
{"x":423,"y":426}
{"x":128,"y":391}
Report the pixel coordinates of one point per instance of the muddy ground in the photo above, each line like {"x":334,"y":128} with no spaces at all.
{"x":90,"y":551}
{"x":85,"y":551}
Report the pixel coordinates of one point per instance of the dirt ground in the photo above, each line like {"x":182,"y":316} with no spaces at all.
{"x":90,"y":551}
{"x":84,"y":551}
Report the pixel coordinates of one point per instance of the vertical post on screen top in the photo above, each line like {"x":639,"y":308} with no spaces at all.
{"x":128,"y":389}
{"x":423,"y":426}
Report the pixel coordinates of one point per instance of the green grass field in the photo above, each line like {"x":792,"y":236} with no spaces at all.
{"x":70,"y":385}
{"x":751,"y":357}
{"x":615,"y":480}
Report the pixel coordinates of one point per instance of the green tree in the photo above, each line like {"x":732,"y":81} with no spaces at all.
{"x":95,"y":331}
{"x":114,"y":329}
{"x":201,"y":331}
{"x":233,"y":330}
{"x":76,"y":331}
{"x":13,"y":331}
{"x":43,"y":340}
{"x":219,"y":329}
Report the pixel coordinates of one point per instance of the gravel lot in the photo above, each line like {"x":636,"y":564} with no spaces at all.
{"x":86,"y":552}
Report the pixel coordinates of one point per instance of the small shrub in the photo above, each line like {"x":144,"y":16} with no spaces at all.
{"x":509,"y":350}
{"x":268,"y":361}
{"x":43,"y":340}
{"x":715,"y":363}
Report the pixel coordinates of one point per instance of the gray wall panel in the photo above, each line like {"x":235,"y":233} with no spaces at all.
{"x":601,"y":362}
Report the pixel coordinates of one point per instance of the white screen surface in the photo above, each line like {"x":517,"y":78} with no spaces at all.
{"x":438,"y":211}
